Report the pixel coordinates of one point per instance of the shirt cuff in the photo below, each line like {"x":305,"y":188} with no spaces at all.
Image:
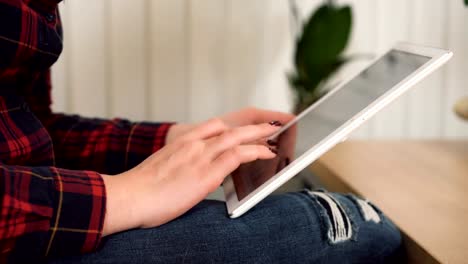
{"x":79,"y":210}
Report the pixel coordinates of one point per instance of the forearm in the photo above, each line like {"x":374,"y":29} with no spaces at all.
{"x":106,"y":146}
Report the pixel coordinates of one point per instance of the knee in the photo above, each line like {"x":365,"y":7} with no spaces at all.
{"x":359,"y":227}
{"x":377,"y":234}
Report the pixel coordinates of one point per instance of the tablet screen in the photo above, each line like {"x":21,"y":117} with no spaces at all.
{"x":329,"y":116}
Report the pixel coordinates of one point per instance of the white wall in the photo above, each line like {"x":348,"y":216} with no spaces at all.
{"x":188,"y":60}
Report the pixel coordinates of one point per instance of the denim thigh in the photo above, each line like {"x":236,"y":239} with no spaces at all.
{"x":301,"y":227}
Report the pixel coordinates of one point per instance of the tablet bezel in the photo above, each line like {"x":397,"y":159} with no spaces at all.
{"x":437,"y":58}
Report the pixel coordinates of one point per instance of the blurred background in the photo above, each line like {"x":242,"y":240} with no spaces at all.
{"x":182,"y":60}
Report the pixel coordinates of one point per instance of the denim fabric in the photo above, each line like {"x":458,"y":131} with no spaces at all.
{"x":286,"y":228}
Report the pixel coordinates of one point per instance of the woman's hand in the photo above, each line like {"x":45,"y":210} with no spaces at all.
{"x":180,"y":175}
{"x":287,"y":140}
{"x":284,"y":144}
{"x":247,"y":116}
{"x":250,"y":116}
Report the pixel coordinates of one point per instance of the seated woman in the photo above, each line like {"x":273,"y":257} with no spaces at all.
{"x":79,"y":190}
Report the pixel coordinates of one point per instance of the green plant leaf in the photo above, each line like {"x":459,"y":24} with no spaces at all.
{"x":318,"y":51}
{"x":324,"y":36}
{"x":310,"y":79}
{"x":308,"y":85}
{"x":466,"y":2}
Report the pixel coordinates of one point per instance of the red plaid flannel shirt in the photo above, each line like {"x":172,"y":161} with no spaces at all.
{"x":52,"y":196}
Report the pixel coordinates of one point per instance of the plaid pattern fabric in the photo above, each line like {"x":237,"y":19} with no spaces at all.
{"x":52,"y":196}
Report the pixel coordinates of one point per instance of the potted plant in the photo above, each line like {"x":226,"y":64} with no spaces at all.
{"x":319,"y":47}
{"x":319,"y":50}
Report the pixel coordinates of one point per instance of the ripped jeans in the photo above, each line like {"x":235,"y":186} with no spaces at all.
{"x":302,"y":227}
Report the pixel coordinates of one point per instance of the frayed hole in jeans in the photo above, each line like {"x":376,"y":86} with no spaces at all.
{"x":368,"y":212}
{"x":340,"y":225}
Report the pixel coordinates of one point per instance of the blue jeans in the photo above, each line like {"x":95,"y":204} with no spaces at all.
{"x":302,"y":227}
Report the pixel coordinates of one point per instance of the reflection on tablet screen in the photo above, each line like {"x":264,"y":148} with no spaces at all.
{"x":329,"y":116}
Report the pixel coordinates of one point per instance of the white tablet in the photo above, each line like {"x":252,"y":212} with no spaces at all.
{"x":330,"y":120}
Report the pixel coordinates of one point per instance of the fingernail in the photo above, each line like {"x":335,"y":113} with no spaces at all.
{"x":273,"y":150}
{"x":275,"y":123}
{"x":272,"y":142}
{"x":287,"y":161}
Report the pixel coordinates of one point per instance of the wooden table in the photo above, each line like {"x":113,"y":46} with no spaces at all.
{"x":421,"y":185}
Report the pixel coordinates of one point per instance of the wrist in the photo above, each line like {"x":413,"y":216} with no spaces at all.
{"x":177,"y":130}
{"x":119,"y":215}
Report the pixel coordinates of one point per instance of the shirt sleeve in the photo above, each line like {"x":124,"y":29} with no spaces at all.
{"x":106,"y":146}
{"x":47,"y":211}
